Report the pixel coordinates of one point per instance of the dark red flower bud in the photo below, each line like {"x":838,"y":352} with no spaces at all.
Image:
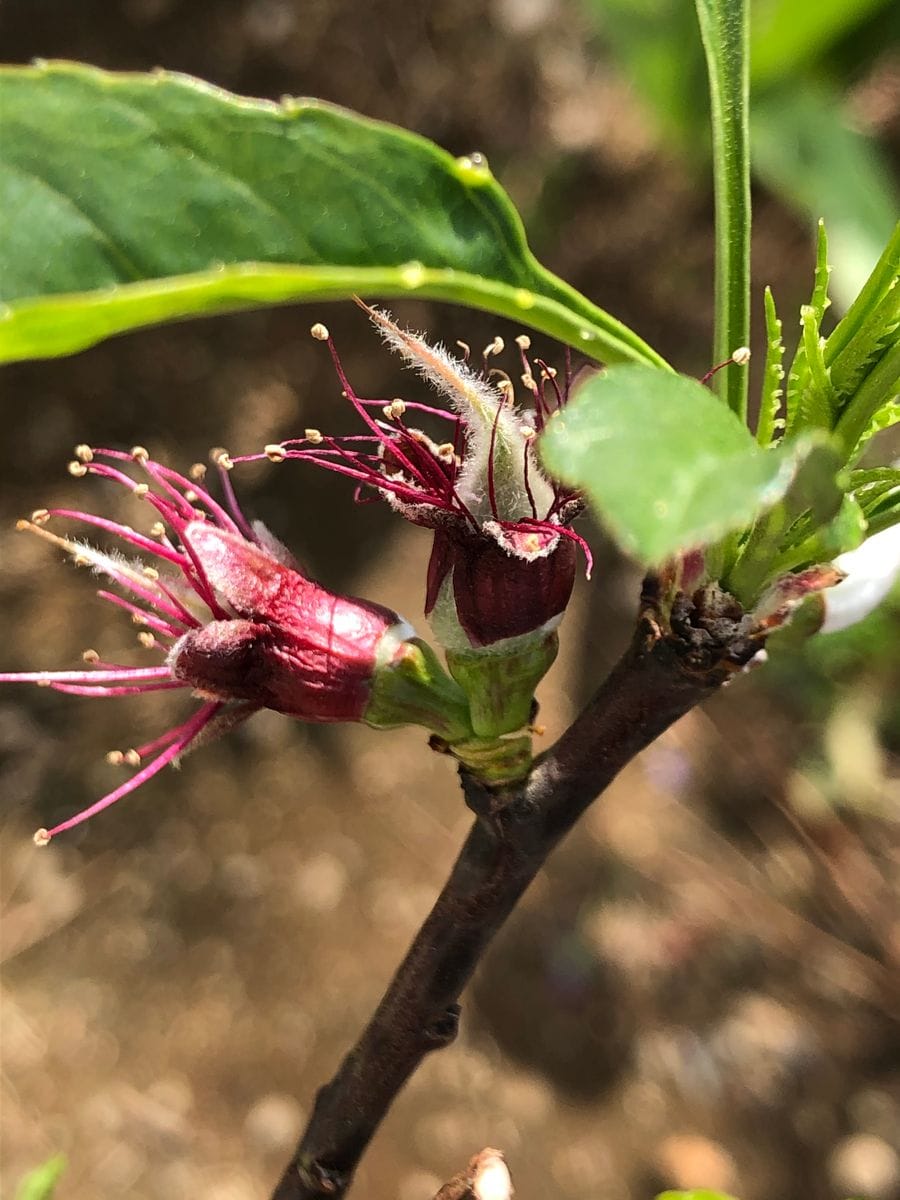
{"x":300,"y":650}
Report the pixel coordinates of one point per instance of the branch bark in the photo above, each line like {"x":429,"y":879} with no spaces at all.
{"x":681,"y":653}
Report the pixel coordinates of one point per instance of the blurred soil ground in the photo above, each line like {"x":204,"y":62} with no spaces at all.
{"x":702,"y":988}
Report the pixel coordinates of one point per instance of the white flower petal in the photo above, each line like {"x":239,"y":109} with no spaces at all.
{"x":871,"y":571}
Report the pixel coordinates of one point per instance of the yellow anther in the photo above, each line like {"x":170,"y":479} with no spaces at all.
{"x":497,"y":346}
{"x":115,"y":758}
{"x":197,"y":471}
{"x":41,"y":838}
{"x":90,"y":656}
{"x":140,"y":454}
{"x":741,"y":356}
{"x":84,"y":453}
{"x":158,"y":529}
{"x":77,"y":468}
{"x":40,"y":516}
{"x":320,"y":332}
{"x":523,"y":341}
{"x":131,"y":758}
{"x":395,"y":409}
{"x":190,"y":496}
{"x":151,"y":573}
{"x":314,"y":436}
{"x":147,"y":640}
{"x":45,"y":683}
{"x":548,"y":372}
{"x":275,"y":452}
{"x":221,"y":458}
{"x":446,"y":452}
{"x":141,"y":489}
{"x":528,"y":381}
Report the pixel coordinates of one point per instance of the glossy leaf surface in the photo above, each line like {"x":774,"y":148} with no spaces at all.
{"x":137,"y":199}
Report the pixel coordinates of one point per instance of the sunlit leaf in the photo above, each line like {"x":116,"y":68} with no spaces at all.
{"x":143,"y":198}
{"x":666,"y":467}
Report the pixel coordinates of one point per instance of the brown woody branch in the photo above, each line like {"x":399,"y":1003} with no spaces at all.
{"x":680,"y":654}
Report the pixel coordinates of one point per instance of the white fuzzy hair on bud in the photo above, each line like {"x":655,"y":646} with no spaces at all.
{"x":497,"y":449}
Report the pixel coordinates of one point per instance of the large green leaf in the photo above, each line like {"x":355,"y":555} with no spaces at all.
{"x":666,"y":466}
{"x":134,"y":199}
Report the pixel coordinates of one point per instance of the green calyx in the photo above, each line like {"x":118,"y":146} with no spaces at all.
{"x":414,"y":689}
{"x":500,"y":683}
{"x":489,"y":695}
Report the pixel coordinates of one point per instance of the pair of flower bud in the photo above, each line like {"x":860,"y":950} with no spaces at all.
{"x":232,"y":619}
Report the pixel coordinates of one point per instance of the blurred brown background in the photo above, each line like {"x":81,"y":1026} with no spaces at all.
{"x":702,"y":987}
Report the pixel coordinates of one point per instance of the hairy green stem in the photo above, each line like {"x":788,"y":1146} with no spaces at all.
{"x":725,"y":30}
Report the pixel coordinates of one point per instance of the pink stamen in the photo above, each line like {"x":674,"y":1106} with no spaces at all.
{"x":562,"y":530}
{"x":145,"y":618}
{"x":87,"y":676}
{"x":492,"y":492}
{"x":184,"y":736}
{"x":241,"y":522}
{"x":415,"y":405}
{"x":158,"y":743}
{"x":547,"y":375}
{"x":360,"y":408}
{"x":125,"y":532}
{"x":78,"y":689}
{"x":729,"y":362}
{"x":526,"y":456}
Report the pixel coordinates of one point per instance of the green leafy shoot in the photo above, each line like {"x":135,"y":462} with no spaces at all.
{"x":769,"y":424}
{"x":846,"y":384}
{"x":871,"y":404}
{"x":877,"y":491}
{"x":807,"y":400}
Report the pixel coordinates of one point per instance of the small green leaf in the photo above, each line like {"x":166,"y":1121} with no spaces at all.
{"x":877,"y":491}
{"x":810,"y":401}
{"x":664,"y":464}
{"x":155,"y":197}
{"x":40,"y":1183}
{"x":769,"y":423}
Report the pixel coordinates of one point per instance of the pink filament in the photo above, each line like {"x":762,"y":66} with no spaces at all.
{"x":185,"y":734}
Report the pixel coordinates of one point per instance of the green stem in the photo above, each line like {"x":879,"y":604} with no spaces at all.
{"x":725,"y":29}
